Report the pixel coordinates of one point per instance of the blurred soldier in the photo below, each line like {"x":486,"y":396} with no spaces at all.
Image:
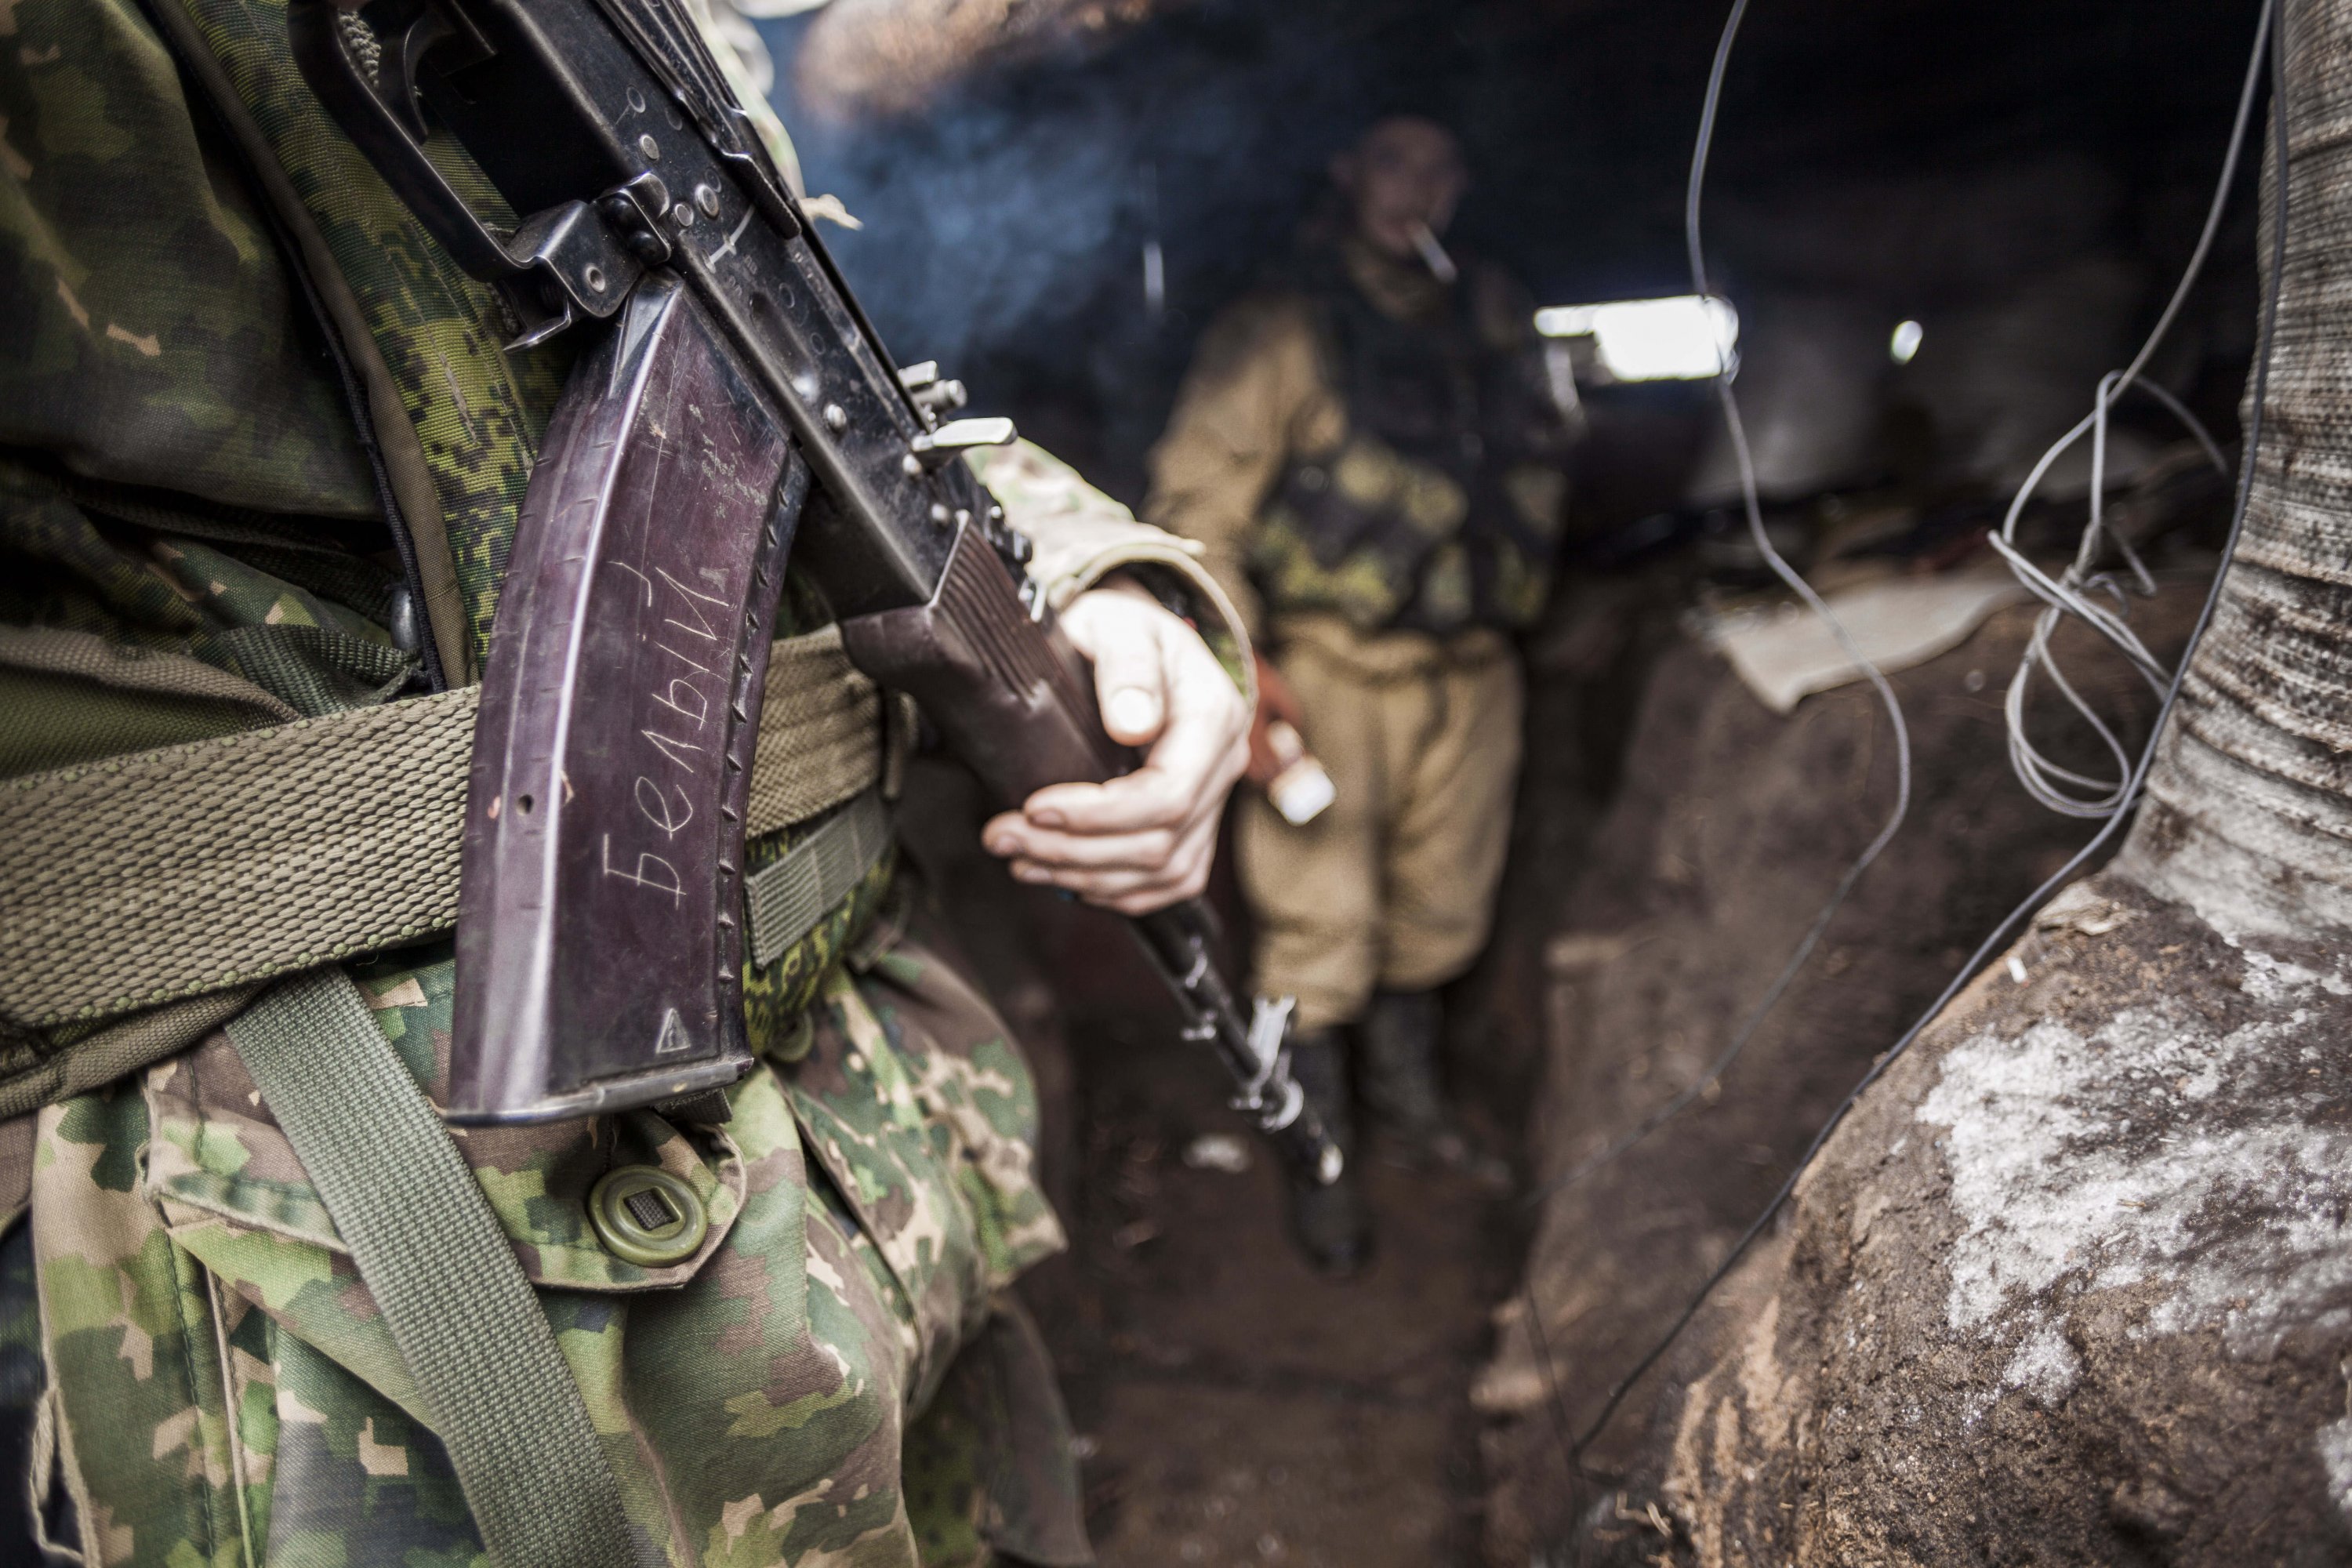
{"x":1369,"y":454}
{"x":262,"y":451}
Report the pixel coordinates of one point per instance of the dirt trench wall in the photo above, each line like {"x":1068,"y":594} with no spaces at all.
{"x":1729,"y":828}
{"x":2074,"y":1283}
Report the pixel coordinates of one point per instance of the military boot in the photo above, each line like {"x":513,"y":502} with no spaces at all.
{"x":1400,"y":1036}
{"x":1330,"y":1225}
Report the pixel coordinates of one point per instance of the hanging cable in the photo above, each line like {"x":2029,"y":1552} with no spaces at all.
{"x":2060,"y":788}
{"x":2065,"y":596}
{"x":2276,"y":53}
{"x":1752,"y":500}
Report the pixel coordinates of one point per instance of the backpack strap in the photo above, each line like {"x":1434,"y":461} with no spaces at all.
{"x":503,"y":1400}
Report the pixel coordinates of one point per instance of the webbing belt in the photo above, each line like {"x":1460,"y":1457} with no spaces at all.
{"x":783,"y":902}
{"x":500,"y":1396}
{"x":166,"y":874}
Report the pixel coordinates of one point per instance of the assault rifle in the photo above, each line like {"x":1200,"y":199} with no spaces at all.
{"x":736,"y":409}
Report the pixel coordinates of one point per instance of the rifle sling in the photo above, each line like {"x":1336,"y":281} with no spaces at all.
{"x":500,"y":1396}
{"x":154,"y":877}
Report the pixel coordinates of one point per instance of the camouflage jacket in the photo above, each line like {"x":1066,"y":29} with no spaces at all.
{"x":195,"y":470}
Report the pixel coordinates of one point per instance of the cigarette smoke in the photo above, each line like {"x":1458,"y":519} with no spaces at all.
{"x":1010,"y":208}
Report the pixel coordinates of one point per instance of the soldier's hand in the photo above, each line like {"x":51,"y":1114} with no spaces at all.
{"x":1140,"y":842}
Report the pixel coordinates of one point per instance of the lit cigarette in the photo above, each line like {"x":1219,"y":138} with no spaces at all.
{"x":1434,"y":255}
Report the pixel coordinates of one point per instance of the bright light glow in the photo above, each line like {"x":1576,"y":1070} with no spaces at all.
{"x":1686,"y":338}
{"x":1906,"y":342}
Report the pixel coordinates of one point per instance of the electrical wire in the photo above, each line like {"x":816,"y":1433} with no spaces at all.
{"x":2137,"y":780}
{"x":2065,"y":596}
{"x":2054,"y":785}
{"x":1752,"y":501}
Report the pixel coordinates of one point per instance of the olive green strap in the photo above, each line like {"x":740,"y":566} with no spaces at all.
{"x":160,"y":874}
{"x":785,"y":901}
{"x":444,"y":1276}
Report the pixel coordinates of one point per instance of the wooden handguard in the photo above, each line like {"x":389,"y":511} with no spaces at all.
{"x":1011,"y":696}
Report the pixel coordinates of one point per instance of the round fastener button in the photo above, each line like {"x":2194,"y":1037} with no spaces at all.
{"x":795,"y":1045}
{"x":645,"y":1215}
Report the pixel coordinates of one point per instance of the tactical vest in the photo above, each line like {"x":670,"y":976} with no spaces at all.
{"x":1439,"y":511}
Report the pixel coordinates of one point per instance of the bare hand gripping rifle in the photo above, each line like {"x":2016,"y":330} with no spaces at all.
{"x":736,"y":409}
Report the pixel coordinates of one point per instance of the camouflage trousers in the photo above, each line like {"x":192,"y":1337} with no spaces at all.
{"x":836,"y":1377}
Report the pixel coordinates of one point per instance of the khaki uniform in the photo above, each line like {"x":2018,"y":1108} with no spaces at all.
{"x":1393,"y":887}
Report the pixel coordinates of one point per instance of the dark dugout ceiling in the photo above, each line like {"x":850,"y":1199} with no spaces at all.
{"x":1016,"y":159}
{"x":867,"y":57}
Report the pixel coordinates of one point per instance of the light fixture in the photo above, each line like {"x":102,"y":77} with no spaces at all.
{"x":1687,"y":337}
{"x":1906,"y":341}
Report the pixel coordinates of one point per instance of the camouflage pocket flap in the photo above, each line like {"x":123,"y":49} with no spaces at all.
{"x":215,"y":1146}
{"x":918,"y":1106}
{"x":894,"y":1163}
